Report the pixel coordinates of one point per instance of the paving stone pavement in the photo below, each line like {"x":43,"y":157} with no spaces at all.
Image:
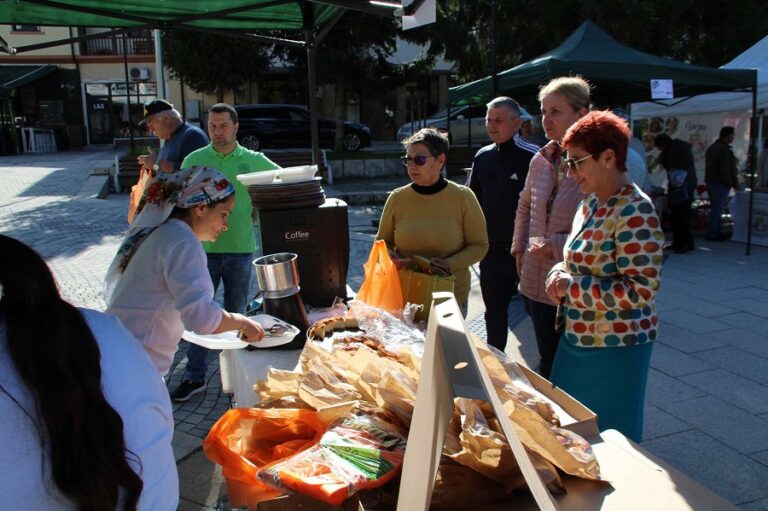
{"x":707,"y":398}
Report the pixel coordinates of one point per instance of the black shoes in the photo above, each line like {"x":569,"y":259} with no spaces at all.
{"x":187,"y":389}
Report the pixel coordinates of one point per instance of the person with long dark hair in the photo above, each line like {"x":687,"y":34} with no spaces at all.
{"x":85,"y":419}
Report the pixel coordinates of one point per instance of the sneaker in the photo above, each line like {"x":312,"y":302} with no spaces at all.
{"x":187,"y":389}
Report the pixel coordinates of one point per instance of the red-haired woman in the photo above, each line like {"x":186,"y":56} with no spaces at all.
{"x":609,"y":278}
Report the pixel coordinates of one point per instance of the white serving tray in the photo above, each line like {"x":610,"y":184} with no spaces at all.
{"x":230,"y":341}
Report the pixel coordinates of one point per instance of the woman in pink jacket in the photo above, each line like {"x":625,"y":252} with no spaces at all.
{"x":546,"y":208}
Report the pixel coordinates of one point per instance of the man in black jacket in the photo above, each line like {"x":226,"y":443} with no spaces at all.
{"x":497,"y":178}
{"x":677,"y":157}
{"x":721,"y":174}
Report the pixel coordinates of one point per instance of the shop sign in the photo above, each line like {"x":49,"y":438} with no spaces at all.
{"x":118,"y":89}
{"x":148,"y":89}
{"x":97,"y":89}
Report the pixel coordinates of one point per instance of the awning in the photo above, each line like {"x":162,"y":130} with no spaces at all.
{"x":12,"y":76}
{"x":212,"y":14}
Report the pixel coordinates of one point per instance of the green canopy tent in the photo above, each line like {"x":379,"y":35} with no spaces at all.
{"x":619,"y":75}
{"x":314,"y":18}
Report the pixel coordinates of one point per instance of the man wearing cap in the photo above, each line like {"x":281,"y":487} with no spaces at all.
{"x":181,"y":138}
{"x":498,"y":175}
{"x":230,"y":257}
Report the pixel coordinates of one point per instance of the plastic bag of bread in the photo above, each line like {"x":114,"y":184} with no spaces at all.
{"x":355,"y":453}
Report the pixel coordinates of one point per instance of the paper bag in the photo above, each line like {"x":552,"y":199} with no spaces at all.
{"x":418,"y":287}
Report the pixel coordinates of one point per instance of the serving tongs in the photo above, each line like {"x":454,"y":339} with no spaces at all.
{"x":278,"y":329}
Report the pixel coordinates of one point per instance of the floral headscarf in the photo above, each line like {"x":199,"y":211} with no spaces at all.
{"x":186,"y":188}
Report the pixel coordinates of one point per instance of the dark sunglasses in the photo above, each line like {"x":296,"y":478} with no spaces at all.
{"x":574,"y":164}
{"x":417,"y":160}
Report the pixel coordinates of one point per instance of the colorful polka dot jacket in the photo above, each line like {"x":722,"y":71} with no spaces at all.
{"x":613,"y":257}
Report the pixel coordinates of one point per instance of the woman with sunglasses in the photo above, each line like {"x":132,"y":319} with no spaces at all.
{"x":608,"y":280}
{"x":158,"y":284}
{"x":545,"y":210}
{"x":433,"y":217}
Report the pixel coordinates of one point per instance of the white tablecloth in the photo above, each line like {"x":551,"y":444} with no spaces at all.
{"x":240,"y":369}
{"x":739,"y":207}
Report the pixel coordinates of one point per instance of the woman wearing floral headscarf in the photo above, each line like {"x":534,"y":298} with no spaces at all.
{"x":158,"y":284}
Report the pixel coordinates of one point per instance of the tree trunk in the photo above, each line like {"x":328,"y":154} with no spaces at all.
{"x":340,"y":113}
{"x":219,"y":94}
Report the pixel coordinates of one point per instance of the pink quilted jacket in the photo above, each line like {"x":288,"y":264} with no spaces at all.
{"x":532,"y":219}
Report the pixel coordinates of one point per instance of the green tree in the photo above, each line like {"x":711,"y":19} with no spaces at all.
{"x":703,"y":33}
{"x":213,"y":63}
{"x":353,"y":58}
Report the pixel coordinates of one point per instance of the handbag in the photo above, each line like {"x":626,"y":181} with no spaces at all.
{"x":381,"y":286}
{"x":417,"y":288}
{"x":137,"y":190}
{"x":678,"y":191}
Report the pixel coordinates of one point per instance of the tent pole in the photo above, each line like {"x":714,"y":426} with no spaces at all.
{"x":159,"y":66}
{"x":312,"y":86}
{"x":494,"y":46}
{"x":310,"y":41}
{"x":128,"y":91}
{"x":752,"y":161}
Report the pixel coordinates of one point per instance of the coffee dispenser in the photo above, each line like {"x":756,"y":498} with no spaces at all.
{"x":278,"y":279}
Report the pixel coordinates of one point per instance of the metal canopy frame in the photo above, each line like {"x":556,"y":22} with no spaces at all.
{"x":312,"y":36}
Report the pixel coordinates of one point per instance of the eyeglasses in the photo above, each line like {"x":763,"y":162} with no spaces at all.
{"x":574,"y":164}
{"x":417,"y":160}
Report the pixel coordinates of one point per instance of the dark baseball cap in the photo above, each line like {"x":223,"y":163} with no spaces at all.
{"x":153,"y":107}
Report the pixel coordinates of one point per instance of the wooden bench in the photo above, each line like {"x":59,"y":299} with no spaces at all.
{"x":292,"y":158}
{"x":137,"y":142}
{"x":126,"y":173}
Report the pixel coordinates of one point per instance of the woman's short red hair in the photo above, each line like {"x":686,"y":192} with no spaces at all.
{"x":600,"y":130}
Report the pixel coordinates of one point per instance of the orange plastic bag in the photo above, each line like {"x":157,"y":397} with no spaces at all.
{"x":381,"y":287}
{"x":356,"y":453}
{"x":137,"y":190}
{"x":245,"y":440}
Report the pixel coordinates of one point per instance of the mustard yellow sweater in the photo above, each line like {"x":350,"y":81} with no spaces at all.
{"x":448,"y":224}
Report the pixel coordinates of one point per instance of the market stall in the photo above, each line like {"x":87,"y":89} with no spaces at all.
{"x":426,"y":405}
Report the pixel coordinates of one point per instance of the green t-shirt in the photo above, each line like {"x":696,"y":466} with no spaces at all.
{"x":239,"y":237}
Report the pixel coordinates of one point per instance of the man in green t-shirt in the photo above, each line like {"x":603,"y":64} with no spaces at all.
{"x":231,"y":255}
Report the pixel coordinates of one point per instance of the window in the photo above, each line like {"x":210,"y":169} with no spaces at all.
{"x":25,"y":28}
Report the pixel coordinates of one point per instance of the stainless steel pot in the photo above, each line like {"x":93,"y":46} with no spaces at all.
{"x":277,"y":272}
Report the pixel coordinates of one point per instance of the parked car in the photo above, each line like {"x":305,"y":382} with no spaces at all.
{"x":266,"y":126}
{"x":466,"y":122}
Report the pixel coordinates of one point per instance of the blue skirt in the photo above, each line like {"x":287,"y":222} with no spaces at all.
{"x":609,"y":381}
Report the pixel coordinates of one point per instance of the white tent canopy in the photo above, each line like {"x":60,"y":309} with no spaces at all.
{"x":755,"y":57}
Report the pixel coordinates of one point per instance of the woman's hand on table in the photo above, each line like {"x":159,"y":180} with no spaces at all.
{"x":557,"y":286}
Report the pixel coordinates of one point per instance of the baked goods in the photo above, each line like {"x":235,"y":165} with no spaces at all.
{"x":325,"y":327}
